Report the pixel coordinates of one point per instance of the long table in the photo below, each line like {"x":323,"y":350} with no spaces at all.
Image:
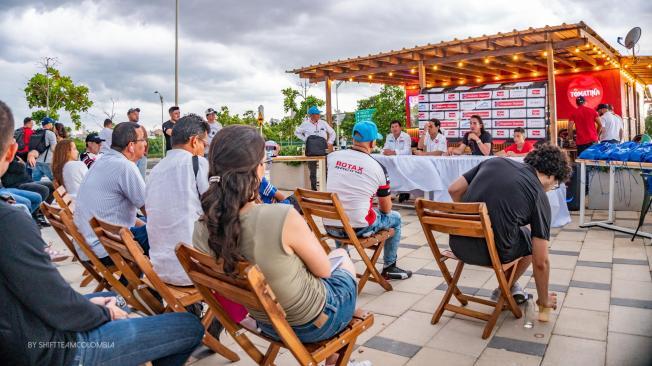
{"x":321,"y":166}
{"x":612,"y":165}
{"x":433,"y":175}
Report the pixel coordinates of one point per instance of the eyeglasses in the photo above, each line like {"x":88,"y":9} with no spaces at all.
{"x":555,"y":186}
{"x":203,"y":141}
{"x":138,"y":140}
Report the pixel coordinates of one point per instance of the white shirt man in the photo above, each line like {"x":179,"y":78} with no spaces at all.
{"x":397,"y":142}
{"x":105,"y":134}
{"x":436,"y":144}
{"x":612,"y":125}
{"x":319,"y":128}
{"x":215,"y":126}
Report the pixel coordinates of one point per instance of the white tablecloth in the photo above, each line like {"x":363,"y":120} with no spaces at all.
{"x":434,"y":174}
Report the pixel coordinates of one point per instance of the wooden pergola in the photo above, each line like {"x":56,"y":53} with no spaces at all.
{"x":525,"y":54}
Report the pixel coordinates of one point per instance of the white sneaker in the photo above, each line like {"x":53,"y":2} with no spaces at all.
{"x":517,"y":293}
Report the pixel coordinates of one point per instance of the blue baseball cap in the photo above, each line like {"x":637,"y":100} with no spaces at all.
{"x":46,"y":121}
{"x":314,"y":110}
{"x":366,"y":132}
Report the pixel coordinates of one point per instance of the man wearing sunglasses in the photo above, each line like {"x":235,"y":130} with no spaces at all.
{"x":515,"y":195}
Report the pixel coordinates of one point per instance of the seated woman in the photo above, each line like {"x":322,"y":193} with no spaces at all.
{"x":433,"y":142}
{"x":67,"y":169}
{"x":318,"y":302}
{"x":520,"y":147}
{"x":478,"y":139}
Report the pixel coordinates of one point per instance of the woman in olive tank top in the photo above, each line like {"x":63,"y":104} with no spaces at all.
{"x":318,"y":303}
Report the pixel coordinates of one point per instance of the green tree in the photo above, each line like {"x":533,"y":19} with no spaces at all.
{"x":389,"y":104}
{"x":226,"y":118}
{"x":648,"y":125}
{"x":296,"y":103}
{"x":52,"y":92}
{"x":249,"y":118}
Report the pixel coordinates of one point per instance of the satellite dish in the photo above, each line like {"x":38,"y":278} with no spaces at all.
{"x":632,"y":37}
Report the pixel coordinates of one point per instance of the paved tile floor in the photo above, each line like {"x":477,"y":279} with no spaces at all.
{"x":604,"y":315}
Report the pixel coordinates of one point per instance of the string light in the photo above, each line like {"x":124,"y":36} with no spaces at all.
{"x":515,"y":76}
{"x":435,"y":67}
{"x":496,"y":77}
{"x":462,"y":82}
{"x":515,"y":57}
{"x":576,"y":69}
{"x":460,"y":64}
{"x":370,"y":77}
{"x":479,"y":80}
{"x":577,"y":50}
{"x":350,"y":79}
{"x":535,"y":73}
{"x":545,"y":53}
{"x":486,"y":60}
{"x":391,"y":73}
{"x":413,"y":71}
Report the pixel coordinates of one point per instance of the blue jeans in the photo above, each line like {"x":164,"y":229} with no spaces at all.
{"x":341,"y":293}
{"x":166,"y":339}
{"x":20,"y":200}
{"x":142,"y":166}
{"x":140,"y":234}
{"x":34,"y":198}
{"x":40,"y":170}
{"x":392,"y":220}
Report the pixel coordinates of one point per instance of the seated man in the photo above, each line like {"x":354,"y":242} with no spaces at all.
{"x":44,"y":321}
{"x":477,"y":139}
{"x":356,"y":177}
{"x":397,"y":141}
{"x":433,"y":142}
{"x":114,"y":190}
{"x":515,"y":195}
{"x":93,"y":147}
{"x":173,"y":189}
{"x":520,"y":147}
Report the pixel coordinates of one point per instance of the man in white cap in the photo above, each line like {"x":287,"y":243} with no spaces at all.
{"x":211,"y":116}
{"x":315,"y":126}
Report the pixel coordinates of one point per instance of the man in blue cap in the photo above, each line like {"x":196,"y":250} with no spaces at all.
{"x":356,"y":177}
{"x":315,"y":126}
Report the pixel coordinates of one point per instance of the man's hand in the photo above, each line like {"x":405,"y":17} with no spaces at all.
{"x":550,"y":302}
{"x":330,"y":147}
{"x":474,"y":137}
{"x":419,"y":153}
{"x":168,"y":132}
{"x":31,"y":158}
{"x":510,"y":153}
{"x":389,"y":152}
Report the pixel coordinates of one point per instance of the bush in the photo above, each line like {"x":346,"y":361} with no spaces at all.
{"x":156,"y":147}
{"x":648,"y":125}
{"x":80,"y":144}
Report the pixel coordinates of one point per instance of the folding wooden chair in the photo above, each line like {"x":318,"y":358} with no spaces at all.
{"x":128,"y":255}
{"x":249,"y":288}
{"x":327,"y":205}
{"x":53,"y":215}
{"x":64,"y":200}
{"x":471,"y":220}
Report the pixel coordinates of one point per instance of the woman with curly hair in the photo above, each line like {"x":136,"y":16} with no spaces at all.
{"x":515,"y":195}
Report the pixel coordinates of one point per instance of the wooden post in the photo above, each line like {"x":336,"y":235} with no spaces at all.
{"x":329,"y":110}
{"x":422,"y":75}
{"x":552,"y":94}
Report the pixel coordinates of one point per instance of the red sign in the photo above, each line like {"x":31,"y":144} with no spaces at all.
{"x":509,"y":123}
{"x":423,"y":98}
{"x":585,"y":86}
{"x":509,"y":103}
{"x":450,"y":124}
{"x":536,"y":133}
{"x":444,"y":106}
{"x":606,"y":83}
{"x":483,"y":114}
{"x":476,"y":95}
{"x":452,"y":96}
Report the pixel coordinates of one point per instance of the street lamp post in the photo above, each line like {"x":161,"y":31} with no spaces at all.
{"x":176,"y":54}
{"x":337,"y":109}
{"x":163,"y":135}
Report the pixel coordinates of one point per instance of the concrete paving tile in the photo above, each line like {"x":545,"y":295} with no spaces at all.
{"x":392,"y":346}
{"x":630,"y":252}
{"x":592,"y":274}
{"x":588,"y":299}
{"x":640,"y":304}
{"x":418,"y":284}
{"x":594,"y":264}
{"x":413,"y":327}
{"x":574,"y":246}
{"x":637,"y":290}
{"x":560,"y":276}
{"x":460,"y":336}
{"x":517,"y":345}
{"x":598,"y":244}
{"x":582,"y":324}
{"x":429,"y":303}
{"x":423,"y":253}
{"x":393,"y":303}
{"x":630,"y":320}
{"x":513,"y":328}
{"x":571,"y":235}
{"x":627,"y":349}
{"x":631,"y":215}
{"x":595,"y":255}
{"x":499,"y":357}
{"x":564,"y":350}
{"x":380,"y":322}
{"x":378,"y":357}
{"x":634,"y":262}
{"x":412,"y":264}
{"x":429,"y":356}
{"x":562,"y":261}
{"x":591,"y":285}
{"x":631,"y":272}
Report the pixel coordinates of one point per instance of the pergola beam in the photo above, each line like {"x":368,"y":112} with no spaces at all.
{"x":577,"y":52}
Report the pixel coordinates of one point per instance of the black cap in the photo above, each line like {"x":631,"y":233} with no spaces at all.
{"x":133,"y":110}
{"x":94,"y":137}
{"x":580,"y":100}
{"x":602,"y":105}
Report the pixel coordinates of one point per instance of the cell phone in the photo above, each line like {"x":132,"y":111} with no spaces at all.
{"x":336,"y":262}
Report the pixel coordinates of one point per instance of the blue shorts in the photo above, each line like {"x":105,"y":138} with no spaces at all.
{"x":341,"y":293}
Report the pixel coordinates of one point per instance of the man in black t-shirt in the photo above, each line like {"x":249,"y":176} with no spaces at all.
{"x":515,"y":195}
{"x":175,"y":114}
{"x":478,"y":140}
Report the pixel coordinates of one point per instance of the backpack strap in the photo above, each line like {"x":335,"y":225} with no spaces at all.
{"x":195,"y":169}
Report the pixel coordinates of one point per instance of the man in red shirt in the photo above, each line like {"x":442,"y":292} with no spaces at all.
{"x":585,"y":120}
{"x":520,"y":147}
{"x":26,"y":132}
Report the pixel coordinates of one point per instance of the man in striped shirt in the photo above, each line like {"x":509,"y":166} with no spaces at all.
{"x":114,"y":190}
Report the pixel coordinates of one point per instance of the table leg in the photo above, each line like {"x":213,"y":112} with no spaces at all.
{"x":582,"y":192}
{"x":322,"y":175}
{"x":612,"y":174}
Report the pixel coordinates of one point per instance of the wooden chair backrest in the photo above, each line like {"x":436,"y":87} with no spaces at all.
{"x":325,"y":205}
{"x":247,"y":286}
{"x":53,"y":214}
{"x":453,"y":218}
{"x":64,"y":199}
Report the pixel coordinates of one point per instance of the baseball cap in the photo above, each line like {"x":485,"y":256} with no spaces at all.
{"x":46,"y":121}
{"x":580,"y":100}
{"x":602,"y":105}
{"x":94,"y":137}
{"x":133,"y":110}
{"x":314,"y":110}
{"x":366,"y":132}
{"x":210,"y":111}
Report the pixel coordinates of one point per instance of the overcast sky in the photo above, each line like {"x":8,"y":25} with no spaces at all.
{"x":235,"y":53}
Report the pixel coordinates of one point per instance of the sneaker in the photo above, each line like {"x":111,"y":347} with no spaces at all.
{"x":517,"y":293}
{"x":55,"y":255}
{"x":392,"y":272}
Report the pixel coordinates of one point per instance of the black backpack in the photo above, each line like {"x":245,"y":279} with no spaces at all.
{"x":38,"y":141}
{"x":316,"y":146}
{"x":19,"y":135}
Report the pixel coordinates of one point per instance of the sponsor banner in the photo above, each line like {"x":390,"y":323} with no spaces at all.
{"x":436,"y":97}
{"x":450,"y":124}
{"x":467,"y":106}
{"x":483,"y":104}
{"x":536,"y":92}
{"x":451,"y":115}
{"x":451,"y":97}
{"x":509,"y":123}
{"x":536,"y":102}
{"x":423,"y":98}
{"x":483,"y":114}
{"x":444,"y":106}
{"x":476,"y":95}
{"x":452,"y":133}
{"x":465,"y":123}
{"x":500,"y":133}
{"x":500,"y":113}
{"x":536,"y":133}
{"x":536,"y":113}
{"x":536,"y":123}
{"x":423,"y":106}
{"x":518,"y":93}
{"x":517,"y":113}
{"x":500,"y":94}
{"x":423,"y":115}
{"x":422,"y":124}
{"x":438,"y":115}
{"x":509,"y":103}
{"x":604,"y":86}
